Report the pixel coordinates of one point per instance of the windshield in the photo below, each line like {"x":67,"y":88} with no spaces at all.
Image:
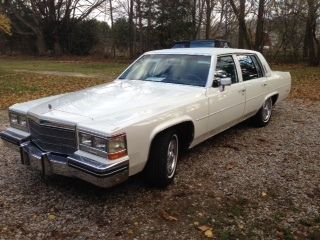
{"x":170,"y":68}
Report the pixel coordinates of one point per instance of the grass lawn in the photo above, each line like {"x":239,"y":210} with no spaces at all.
{"x":22,"y":79}
{"x":96,"y":69}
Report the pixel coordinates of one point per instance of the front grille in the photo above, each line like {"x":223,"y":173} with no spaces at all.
{"x":52,"y":139}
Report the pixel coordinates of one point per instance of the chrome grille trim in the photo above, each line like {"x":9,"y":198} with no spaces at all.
{"x":52,"y":138}
{"x":51,"y":123}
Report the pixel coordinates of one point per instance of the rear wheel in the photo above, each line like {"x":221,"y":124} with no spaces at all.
{"x":161,"y":166}
{"x":262,"y":118}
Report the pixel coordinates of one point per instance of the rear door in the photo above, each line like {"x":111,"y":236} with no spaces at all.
{"x":255,"y":82}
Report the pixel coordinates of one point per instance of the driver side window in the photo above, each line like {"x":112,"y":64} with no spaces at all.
{"x":226,"y":68}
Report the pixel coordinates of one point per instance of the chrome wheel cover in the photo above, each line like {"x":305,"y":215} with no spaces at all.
{"x":172,"y":156}
{"x":266,"y":110}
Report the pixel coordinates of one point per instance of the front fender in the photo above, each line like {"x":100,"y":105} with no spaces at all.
{"x":169,"y":123}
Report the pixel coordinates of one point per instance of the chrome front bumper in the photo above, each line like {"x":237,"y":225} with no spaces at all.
{"x":100,"y":174}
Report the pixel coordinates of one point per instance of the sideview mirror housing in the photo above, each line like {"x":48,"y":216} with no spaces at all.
{"x":222,"y":82}
{"x":225,"y":81}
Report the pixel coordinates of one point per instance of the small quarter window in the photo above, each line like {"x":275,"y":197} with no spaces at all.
{"x":250,"y":67}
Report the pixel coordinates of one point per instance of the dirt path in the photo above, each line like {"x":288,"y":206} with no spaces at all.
{"x":245,"y":183}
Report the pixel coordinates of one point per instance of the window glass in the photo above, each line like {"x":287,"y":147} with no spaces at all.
{"x":226,"y":68}
{"x":202,"y":44}
{"x":170,"y":68}
{"x":257,"y":64}
{"x":250,"y":67}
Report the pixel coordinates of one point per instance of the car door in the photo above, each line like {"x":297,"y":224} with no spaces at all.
{"x":226,"y":106}
{"x":255,"y":82}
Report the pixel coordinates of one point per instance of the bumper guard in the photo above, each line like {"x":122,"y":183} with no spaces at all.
{"x":100,"y":174}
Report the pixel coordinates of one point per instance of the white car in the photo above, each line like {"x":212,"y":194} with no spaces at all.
{"x":165,"y":102}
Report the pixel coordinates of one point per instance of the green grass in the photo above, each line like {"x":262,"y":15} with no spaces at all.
{"x":89,"y":68}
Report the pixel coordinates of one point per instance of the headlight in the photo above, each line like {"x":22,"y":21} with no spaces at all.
{"x":111,"y":147}
{"x":18,"y":121}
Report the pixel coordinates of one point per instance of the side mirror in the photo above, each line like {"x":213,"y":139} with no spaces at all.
{"x":225,"y":81}
{"x":222,"y":82}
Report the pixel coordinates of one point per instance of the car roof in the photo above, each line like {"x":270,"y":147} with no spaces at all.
{"x":201,"y":51}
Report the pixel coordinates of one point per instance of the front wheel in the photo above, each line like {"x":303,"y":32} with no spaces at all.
{"x":161,"y":166}
{"x":263,"y":116}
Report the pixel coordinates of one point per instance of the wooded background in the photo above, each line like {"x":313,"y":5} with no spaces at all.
{"x":284,"y":30}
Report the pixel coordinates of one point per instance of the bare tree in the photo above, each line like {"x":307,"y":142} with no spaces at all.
{"x":113,"y":49}
{"x":131,"y":29}
{"x":209,"y":8}
{"x":52,"y":14}
{"x":243,"y":31}
{"x":311,"y":43}
{"x":259,"y":40}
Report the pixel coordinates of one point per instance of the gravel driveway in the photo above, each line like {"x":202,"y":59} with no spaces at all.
{"x":245,"y":183}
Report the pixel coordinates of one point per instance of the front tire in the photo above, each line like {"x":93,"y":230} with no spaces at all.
{"x":162,"y":163}
{"x":263,"y":116}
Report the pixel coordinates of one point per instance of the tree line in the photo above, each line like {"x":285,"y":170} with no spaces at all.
{"x":284,"y":30}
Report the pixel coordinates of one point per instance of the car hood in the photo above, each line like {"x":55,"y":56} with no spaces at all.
{"x":119,"y":102}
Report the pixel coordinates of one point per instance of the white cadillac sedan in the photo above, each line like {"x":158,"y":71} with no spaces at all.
{"x":165,"y":102}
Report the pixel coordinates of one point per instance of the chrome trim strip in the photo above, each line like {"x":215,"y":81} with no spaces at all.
{"x":51,"y":123}
{"x":99,"y":175}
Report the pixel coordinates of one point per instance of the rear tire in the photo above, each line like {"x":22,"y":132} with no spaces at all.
{"x":161,"y":166}
{"x":263,"y":116}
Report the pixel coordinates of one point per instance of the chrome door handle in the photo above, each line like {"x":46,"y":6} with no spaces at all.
{"x":264,"y":84}
{"x":242,"y":90}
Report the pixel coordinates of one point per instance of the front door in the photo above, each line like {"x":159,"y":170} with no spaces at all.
{"x":226,"y":106}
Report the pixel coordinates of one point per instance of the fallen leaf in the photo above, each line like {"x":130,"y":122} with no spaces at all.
{"x":263,"y":194}
{"x":168,"y":217}
{"x":196,"y":223}
{"x":51,"y":217}
{"x":208,"y":233}
{"x":230,"y":166}
{"x":204,"y":228}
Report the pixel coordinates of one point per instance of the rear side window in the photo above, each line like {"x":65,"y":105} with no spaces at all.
{"x":250,"y":67}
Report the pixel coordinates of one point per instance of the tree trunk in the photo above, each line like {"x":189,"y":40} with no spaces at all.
{"x":194,"y":19}
{"x":243,"y":32}
{"x":131,"y":29}
{"x":149,"y":27}
{"x":139,"y":15}
{"x":241,"y":20}
{"x":40,"y":44}
{"x":208,"y":18}
{"x":310,"y":35}
{"x":113,"y":49}
{"x":259,"y":41}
